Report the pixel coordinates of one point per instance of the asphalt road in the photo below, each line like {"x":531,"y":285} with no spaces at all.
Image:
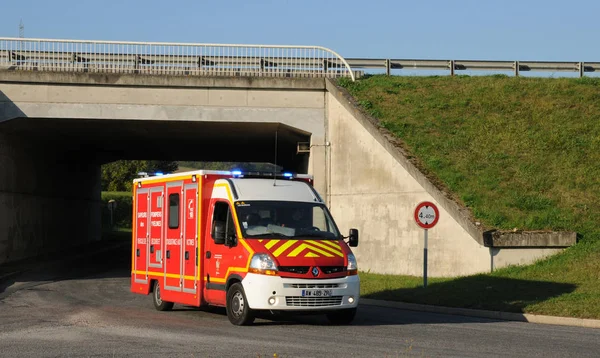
{"x":86,"y":309}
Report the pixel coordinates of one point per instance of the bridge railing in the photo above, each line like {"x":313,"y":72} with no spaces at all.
{"x":171,"y":58}
{"x":452,"y":66}
{"x":235,"y":60}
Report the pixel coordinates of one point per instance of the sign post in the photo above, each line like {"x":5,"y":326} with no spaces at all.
{"x":425,"y":260}
{"x":112,"y":205}
{"x":426,"y":216}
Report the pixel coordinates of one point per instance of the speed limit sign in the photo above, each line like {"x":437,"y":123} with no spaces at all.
{"x":427,"y":215}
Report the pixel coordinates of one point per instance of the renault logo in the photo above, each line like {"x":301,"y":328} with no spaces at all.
{"x":315,"y":271}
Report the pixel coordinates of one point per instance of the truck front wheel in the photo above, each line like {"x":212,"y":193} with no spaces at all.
{"x":238,"y":310}
{"x":342,"y":317}
{"x":159,"y":304}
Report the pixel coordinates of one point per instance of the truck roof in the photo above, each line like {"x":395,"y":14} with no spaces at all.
{"x":182,"y":174}
{"x":232,"y":174}
{"x":250,"y":189}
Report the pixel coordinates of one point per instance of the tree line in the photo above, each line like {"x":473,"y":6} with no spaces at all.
{"x":119,"y":175}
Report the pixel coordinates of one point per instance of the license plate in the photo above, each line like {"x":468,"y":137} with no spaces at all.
{"x":317,"y":293}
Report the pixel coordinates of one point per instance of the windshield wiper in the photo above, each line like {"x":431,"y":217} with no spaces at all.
{"x":270,"y":234}
{"x":315,"y":234}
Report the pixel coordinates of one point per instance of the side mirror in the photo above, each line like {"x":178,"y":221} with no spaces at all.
{"x":230,"y":240}
{"x":353,"y":236}
{"x":219,"y":233}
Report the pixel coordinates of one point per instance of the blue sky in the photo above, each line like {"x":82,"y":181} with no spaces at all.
{"x":494,"y":30}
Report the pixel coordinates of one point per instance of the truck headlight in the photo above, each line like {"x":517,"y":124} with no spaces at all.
{"x":352,"y":266}
{"x":263,"y":264}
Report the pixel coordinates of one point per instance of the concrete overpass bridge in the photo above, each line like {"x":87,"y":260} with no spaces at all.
{"x":66,"y":107}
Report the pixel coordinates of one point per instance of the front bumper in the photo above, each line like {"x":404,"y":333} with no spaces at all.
{"x":287,"y":293}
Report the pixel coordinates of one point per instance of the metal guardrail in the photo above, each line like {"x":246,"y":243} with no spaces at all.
{"x":473,"y":65}
{"x":233,"y":60}
{"x":171,"y":58}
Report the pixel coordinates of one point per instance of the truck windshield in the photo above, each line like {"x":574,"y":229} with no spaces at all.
{"x":261,"y":219}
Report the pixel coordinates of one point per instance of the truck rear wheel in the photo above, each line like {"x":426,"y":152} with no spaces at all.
{"x":342,"y":317}
{"x":238,"y":310}
{"x":159,"y":304}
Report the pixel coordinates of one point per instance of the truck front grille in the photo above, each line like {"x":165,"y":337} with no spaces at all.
{"x":294,"y":269}
{"x":299,"y":301}
{"x":332,"y":269}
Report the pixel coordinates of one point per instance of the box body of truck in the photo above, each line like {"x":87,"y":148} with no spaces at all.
{"x":243,"y":241}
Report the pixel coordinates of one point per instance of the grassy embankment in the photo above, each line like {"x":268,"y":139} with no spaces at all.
{"x":520,"y":153}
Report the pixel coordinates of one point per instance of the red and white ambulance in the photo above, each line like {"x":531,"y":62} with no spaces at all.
{"x":245,"y":241}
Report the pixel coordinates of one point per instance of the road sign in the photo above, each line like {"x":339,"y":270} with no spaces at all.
{"x":427,"y":215}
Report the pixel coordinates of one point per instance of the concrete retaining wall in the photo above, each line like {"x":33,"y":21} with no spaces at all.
{"x":41,"y":208}
{"x":372,"y":191}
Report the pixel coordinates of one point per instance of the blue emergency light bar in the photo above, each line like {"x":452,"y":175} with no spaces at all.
{"x":257,"y":174}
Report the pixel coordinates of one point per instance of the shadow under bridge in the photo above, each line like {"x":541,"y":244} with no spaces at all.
{"x":109,"y":140}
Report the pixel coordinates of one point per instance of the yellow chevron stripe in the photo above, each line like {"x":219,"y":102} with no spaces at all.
{"x":302,"y":247}
{"x":333,"y":244}
{"x":326,"y":247}
{"x":297,"y":250}
{"x":261,"y":240}
{"x":271,"y":243}
{"x":284,"y":247}
{"x":314,"y":248}
{"x":310,"y":254}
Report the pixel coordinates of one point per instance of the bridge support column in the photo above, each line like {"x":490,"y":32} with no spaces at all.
{"x":49,"y":198}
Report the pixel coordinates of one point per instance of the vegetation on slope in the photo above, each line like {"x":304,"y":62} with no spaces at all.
{"x":520,"y":153}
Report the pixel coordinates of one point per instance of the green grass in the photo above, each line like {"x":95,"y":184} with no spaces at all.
{"x":567,"y":284}
{"x":123,"y":212}
{"x":519,"y":153}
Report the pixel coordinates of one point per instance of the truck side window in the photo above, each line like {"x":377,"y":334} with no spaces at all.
{"x":173,"y":211}
{"x":319,"y":220}
{"x":222,"y":217}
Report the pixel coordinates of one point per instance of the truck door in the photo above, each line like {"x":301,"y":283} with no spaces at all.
{"x":218,"y":256}
{"x":173,"y":242}
{"x":190,"y":248}
{"x":156,"y":227}
{"x":141,"y":237}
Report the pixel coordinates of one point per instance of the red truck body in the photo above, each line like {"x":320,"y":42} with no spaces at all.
{"x":198,"y":240}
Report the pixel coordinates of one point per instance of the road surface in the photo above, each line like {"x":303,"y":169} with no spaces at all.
{"x":85,"y":309}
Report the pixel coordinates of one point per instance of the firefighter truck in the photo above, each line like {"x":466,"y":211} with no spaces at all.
{"x":244,"y":241}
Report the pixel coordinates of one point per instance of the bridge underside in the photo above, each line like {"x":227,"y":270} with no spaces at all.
{"x":56,"y":129}
{"x":50,"y":168}
{"x":109,"y":140}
